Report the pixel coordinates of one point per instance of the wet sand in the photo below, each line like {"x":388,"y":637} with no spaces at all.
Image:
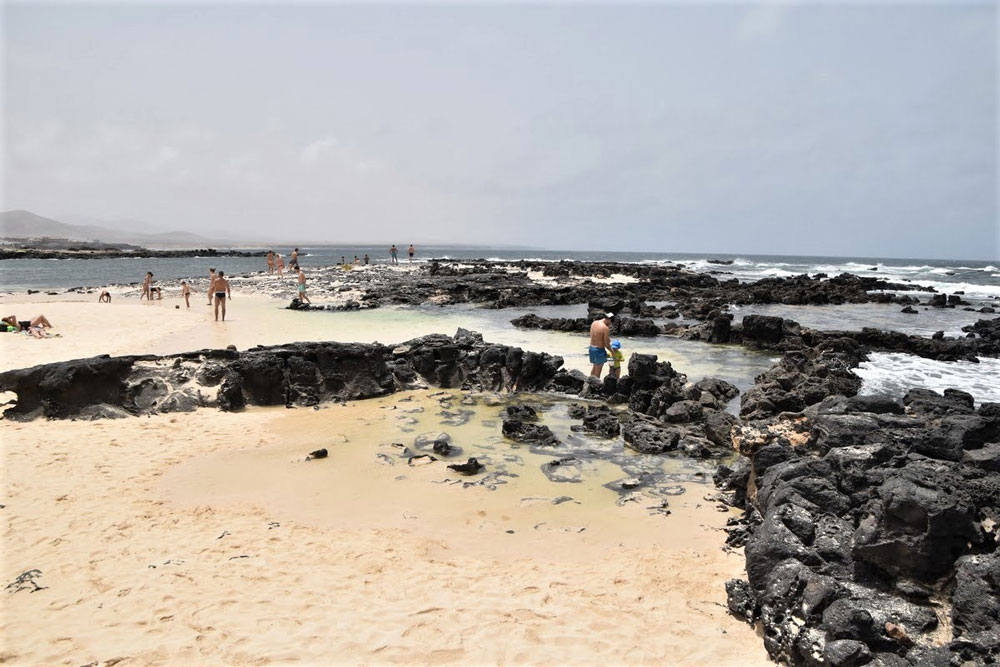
{"x":206,"y":538}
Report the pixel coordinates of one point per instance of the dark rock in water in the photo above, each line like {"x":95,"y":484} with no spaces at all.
{"x":576,"y":411}
{"x":648,"y":438}
{"x":926,"y":402}
{"x":470,"y":467}
{"x":601,"y":420}
{"x":762,"y":329}
{"x":318,"y":454}
{"x":420,"y":459}
{"x":567,"y":469}
{"x":721,"y":329}
{"x":439,"y":443}
{"x":683,"y":411}
{"x":909,"y":310}
{"x":536,"y":434}
{"x":520,"y":412}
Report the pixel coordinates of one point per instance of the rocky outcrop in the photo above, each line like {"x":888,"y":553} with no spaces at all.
{"x":301,"y":374}
{"x":620,"y":326}
{"x":859,"y":513}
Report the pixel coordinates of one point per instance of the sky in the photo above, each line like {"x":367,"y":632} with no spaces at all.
{"x":862,"y":129}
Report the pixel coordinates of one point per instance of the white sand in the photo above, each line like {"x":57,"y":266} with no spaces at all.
{"x":203,"y":538}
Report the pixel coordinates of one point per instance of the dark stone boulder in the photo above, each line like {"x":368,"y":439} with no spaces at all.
{"x":536,"y":434}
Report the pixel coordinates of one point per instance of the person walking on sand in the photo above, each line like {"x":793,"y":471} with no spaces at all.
{"x":147,"y":284}
{"x":302,"y":287}
{"x":280,"y":264}
{"x":211,"y":283}
{"x":600,"y":343}
{"x":222,"y":294}
{"x":393,"y":251}
{"x":186,"y":293}
{"x":270,"y":262}
{"x":410,"y":251}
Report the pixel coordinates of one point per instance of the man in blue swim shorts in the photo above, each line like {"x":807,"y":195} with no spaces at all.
{"x":600,"y":343}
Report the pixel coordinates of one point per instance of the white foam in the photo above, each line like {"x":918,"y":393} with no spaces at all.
{"x":970,"y":289}
{"x":895,"y":373}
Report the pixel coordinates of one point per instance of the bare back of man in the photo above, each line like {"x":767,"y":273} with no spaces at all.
{"x":600,"y":344}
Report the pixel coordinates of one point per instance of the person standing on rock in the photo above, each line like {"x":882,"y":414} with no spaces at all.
{"x":600,"y":343}
{"x":280,"y":264}
{"x":393,"y":251}
{"x":302,"y":287}
{"x":270,"y":262}
{"x":411,"y":251}
{"x":222,"y":294}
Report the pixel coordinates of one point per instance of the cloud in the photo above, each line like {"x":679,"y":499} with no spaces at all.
{"x":764,"y":20}
{"x":164,"y":156}
{"x":316,"y":149}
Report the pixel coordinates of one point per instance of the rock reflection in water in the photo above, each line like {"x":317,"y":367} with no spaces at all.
{"x":580,"y":464}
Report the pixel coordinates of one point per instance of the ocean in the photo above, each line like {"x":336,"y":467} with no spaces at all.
{"x":979,"y":280}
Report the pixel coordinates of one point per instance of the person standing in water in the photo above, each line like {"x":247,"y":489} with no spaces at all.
{"x":302,"y":287}
{"x":411,"y":251}
{"x":280,"y":264}
{"x":600,"y":344}
{"x":222,"y":294}
{"x":211,"y":283}
{"x":393,"y":252}
{"x":270,"y":261}
{"x":366,"y":259}
{"x":294,"y":261}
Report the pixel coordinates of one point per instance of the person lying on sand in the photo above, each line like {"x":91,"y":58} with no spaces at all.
{"x":105,"y":297}
{"x":36,"y":326}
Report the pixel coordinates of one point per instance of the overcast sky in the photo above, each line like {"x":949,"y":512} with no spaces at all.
{"x":863,"y":129}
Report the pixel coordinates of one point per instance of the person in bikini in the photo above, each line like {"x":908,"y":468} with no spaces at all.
{"x":211,"y":283}
{"x":222,"y":294}
{"x":147,"y":285}
{"x":34,"y":326}
{"x":270,"y":261}
{"x":279,"y":260}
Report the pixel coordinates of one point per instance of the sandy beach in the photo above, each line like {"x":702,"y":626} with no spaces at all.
{"x":206,"y":537}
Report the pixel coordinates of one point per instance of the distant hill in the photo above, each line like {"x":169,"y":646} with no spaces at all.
{"x":26,"y":223}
